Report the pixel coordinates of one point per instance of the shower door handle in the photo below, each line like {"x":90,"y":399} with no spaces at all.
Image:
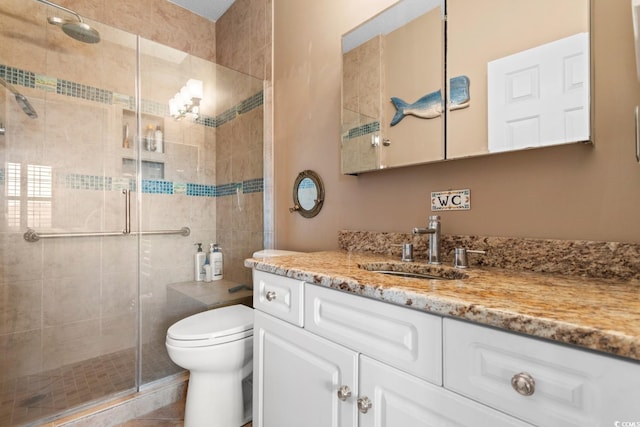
{"x":32,"y":236}
{"x":127,"y":211}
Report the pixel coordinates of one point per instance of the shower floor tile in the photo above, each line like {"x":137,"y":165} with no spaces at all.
{"x":30,"y":398}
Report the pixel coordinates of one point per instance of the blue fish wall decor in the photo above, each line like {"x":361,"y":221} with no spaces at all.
{"x":430,"y":105}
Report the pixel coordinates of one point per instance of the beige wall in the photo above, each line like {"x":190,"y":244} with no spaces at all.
{"x":566,"y":192}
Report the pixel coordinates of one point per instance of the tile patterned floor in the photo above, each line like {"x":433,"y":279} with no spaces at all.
{"x":27,"y":399}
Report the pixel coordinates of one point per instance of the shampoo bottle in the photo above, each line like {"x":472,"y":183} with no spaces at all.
{"x":215,"y":259}
{"x":159,"y":140}
{"x":200,"y":259}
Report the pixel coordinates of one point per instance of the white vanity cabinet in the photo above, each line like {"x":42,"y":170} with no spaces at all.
{"x":543,"y":383}
{"x":356,"y":362}
{"x":297,"y":375}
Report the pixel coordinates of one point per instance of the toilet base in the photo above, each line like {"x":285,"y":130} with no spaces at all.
{"x":216,"y":400}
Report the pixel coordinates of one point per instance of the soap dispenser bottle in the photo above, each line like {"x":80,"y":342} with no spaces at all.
{"x":215,"y":259}
{"x":200,"y":259}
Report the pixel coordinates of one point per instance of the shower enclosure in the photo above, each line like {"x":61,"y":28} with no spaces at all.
{"x":100,"y":213}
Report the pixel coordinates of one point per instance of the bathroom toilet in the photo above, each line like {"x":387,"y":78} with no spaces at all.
{"x":216,"y":346}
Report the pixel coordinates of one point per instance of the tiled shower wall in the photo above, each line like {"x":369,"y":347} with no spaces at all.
{"x":65,"y":300}
{"x":244,"y":43}
{"x":240,"y":40}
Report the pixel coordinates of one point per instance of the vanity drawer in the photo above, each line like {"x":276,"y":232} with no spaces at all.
{"x":407,"y":339}
{"x":572,"y":387}
{"x":278,"y":296}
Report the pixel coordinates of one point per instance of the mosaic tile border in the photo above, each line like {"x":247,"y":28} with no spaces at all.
{"x":362,"y":130}
{"x":19,"y":77}
{"x":74,"y":181}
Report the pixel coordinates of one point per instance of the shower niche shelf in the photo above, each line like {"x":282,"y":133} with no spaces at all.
{"x":149,"y":169}
{"x":129,"y":132}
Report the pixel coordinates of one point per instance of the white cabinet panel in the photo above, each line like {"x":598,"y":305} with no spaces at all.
{"x":280,"y":296}
{"x":402,"y":400}
{"x":571,"y":387}
{"x":404,"y":338}
{"x":297,"y":376}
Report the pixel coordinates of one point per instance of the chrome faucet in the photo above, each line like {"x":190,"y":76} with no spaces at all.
{"x":433,"y":230}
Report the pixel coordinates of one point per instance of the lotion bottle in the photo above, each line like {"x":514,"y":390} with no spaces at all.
{"x":200,"y":259}
{"x":215,"y":259}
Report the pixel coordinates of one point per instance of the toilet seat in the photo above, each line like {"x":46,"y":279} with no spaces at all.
{"x":267,"y":253}
{"x":213,"y":327}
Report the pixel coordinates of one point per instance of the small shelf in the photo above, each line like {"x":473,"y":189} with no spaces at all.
{"x":213,"y":294}
{"x":129,"y":130}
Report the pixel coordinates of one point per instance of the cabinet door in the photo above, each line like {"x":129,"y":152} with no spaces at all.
{"x":553,"y":385}
{"x":398,"y":399}
{"x":297,"y":376}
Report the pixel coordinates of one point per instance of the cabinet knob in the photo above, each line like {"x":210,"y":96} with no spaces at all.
{"x":344,"y":392}
{"x":364,"y":404}
{"x":523,"y":383}
{"x":271,"y":295}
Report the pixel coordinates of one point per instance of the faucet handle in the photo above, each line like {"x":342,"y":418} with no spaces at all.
{"x":460,"y":256}
{"x":407,"y":251}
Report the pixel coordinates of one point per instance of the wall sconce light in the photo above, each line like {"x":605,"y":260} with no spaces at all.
{"x":186,"y":103}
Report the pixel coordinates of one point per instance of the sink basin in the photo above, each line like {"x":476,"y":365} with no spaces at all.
{"x":410,"y":275}
{"x":414,"y":270}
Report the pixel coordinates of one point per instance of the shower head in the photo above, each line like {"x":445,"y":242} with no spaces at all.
{"x":79,"y":30}
{"x":24,"y":103}
{"x":22,"y":100}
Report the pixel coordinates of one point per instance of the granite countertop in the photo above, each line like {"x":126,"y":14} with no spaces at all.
{"x":598,"y":314}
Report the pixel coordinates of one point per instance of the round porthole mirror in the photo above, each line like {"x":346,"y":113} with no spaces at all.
{"x":308,"y":194}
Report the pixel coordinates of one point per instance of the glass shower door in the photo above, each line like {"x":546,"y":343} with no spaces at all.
{"x":205,"y":174}
{"x":68,"y":305}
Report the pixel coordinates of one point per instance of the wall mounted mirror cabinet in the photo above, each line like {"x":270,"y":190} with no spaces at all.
{"x":511,"y":82}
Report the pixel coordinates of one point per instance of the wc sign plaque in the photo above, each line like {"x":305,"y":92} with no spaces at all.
{"x":452,"y":200}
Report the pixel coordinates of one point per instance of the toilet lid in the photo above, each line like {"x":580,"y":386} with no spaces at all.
{"x":214,"y":326}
